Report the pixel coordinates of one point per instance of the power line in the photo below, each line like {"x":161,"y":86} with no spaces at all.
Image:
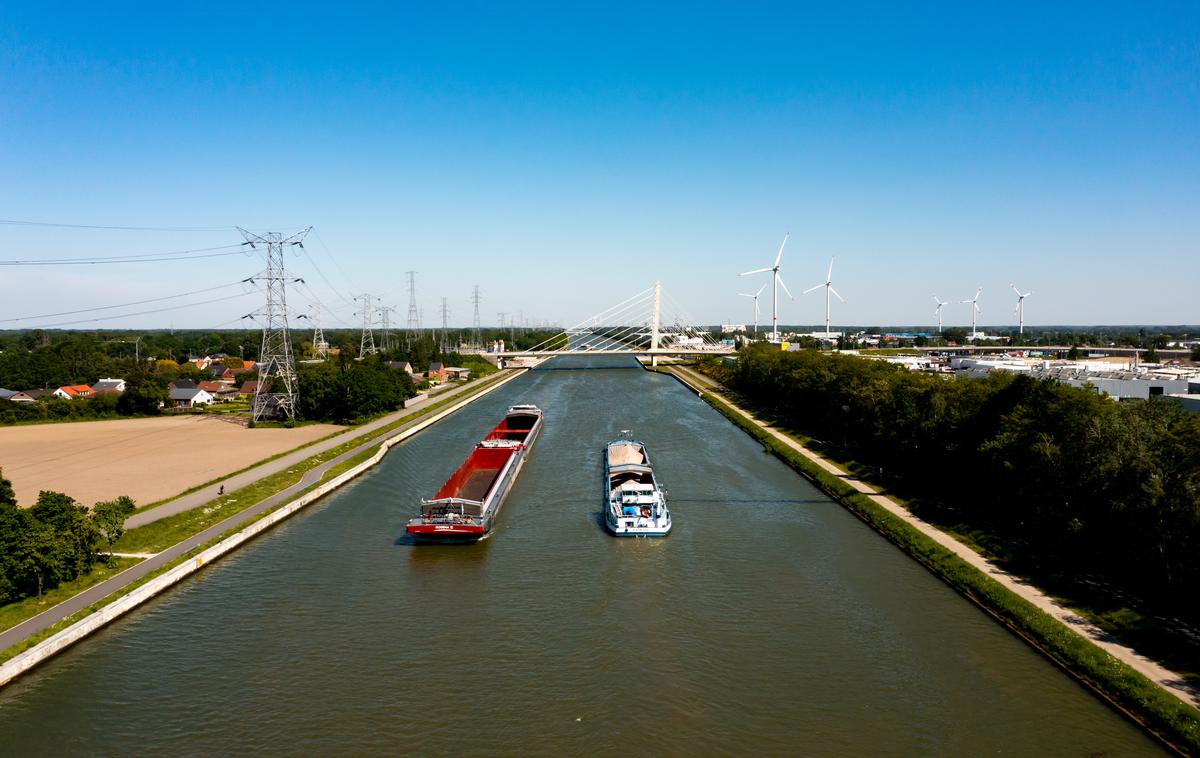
{"x":177,"y":255}
{"x":122,"y":228}
{"x":145,"y":313}
{"x":122,"y":305}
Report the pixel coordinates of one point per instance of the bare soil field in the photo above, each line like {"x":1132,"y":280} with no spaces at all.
{"x":148,"y":459}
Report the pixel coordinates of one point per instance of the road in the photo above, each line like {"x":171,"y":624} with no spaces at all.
{"x":78,"y":602}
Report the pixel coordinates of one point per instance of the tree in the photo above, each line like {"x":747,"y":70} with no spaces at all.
{"x":144,"y":394}
{"x":1151,"y":355}
{"x":7,"y":495}
{"x":73,"y":529}
{"x":110,"y":515}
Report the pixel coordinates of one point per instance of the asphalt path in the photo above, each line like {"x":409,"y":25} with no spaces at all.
{"x":250,"y":476}
{"x":98,"y":592}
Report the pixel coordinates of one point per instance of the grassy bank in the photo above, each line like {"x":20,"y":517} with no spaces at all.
{"x":15,"y":613}
{"x":1158,"y":711}
{"x":174,"y":529}
{"x":159,"y":535}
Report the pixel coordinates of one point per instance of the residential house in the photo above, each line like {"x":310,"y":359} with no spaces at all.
{"x":182,"y":384}
{"x":190,"y":398}
{"x":404,"y":366}
{"x":222,"y":372}
{"x":73,"y":391}
{"x":221,"y":391}
{"x":248,"y":388}
{"x":109,"y":385}
{"x":28,"y":396}
{"x":437,"y":372}
{"x":6,"y":394}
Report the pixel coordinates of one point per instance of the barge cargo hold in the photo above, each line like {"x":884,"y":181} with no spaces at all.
{"x":464,"y":509}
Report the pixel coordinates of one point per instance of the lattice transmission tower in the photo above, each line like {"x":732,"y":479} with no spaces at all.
{"x":386,"y":326}
{"x":475,"y":330}
{"x":414,"y":316}
{"x":445,"y":327}
{"x":320,"y":346}
{"x":366,"y":345}
{"x":277,"y":389}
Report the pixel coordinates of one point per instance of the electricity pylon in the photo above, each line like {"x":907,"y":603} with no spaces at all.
{"x":277,"y":390}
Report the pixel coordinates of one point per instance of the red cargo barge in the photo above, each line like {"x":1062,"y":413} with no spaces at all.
{"x":465,"y":508}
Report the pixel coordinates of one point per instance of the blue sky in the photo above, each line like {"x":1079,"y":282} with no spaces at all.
{"x":564,"y":158}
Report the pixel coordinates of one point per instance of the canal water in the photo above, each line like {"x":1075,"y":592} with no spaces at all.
{"x":771,"y":621}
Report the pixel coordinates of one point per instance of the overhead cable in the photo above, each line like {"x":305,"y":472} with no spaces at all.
{"x":122,"y":305}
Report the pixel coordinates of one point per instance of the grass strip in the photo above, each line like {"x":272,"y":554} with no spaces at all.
{"x":1174,"y":722}
{"x":159,"y":535}
{"x":23,"y":610}
{"x":334,"y":471}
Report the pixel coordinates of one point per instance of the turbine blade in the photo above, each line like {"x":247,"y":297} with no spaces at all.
{"x":780,"y":256}
{"x":839,"y":297}
{"x":755,"y":271}
{"x":810,"y":289}
{"x":829,"y":276}
{"x":939,"y":302}
{"x":760,"y":289}
{"x":743,"y":294}
{"x":779,"y":279}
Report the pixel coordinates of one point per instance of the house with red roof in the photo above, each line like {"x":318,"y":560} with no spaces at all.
{"x":72,"y":391}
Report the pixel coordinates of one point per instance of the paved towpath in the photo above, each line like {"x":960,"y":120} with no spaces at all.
{"x":235,"y":482}
{"x":94,"y":594}
{"x":1155,"y":672}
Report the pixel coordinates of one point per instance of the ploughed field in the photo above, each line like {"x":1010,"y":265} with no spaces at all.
{"x":148,"y":459}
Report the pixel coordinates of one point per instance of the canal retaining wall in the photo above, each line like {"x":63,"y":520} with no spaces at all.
{"x":61,"y":640}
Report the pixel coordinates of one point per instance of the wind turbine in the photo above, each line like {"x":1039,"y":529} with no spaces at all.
{"x":1020,"y":309}
{"x":828,"y":285}
{"x":938,"y":311}
{"x":754,"y":297}
{"x":776,"y":283}
{"x":975,"y":310}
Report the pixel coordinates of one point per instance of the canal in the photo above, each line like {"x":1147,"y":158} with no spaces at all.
{"x":770,"y":622}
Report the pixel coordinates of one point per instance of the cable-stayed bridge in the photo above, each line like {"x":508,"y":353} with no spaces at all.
{"x":649,"y":323}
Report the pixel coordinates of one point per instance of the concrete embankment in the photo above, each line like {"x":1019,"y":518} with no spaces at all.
{"x":63,"y":639}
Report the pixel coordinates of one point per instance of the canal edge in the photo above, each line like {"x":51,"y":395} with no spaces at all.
{"x":1108,"y":685}
{"x":79,"y":630}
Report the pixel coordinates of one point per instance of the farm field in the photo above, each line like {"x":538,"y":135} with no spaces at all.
{"x":148,"y":459}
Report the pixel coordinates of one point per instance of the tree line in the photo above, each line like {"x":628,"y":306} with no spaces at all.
{"x":54,"y":541}
{"x":1071,"y":481}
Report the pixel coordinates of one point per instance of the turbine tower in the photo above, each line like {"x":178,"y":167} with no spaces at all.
{"x":828,"y":285}
{"x":938,"y":311}
{"x":276,"y":390}
{"x":776,"y":283}
{"x":1020,"y":307}
{"x":975,"y":311}
{"x":754,"y":297}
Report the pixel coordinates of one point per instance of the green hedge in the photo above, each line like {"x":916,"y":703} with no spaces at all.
{"x":1164,"y":715}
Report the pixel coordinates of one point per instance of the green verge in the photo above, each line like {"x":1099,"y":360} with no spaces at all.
{"x":1162,"y":714}
{"x":23,"y":610}
{"x":160,"y":535}
{"x":334,"y":471}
